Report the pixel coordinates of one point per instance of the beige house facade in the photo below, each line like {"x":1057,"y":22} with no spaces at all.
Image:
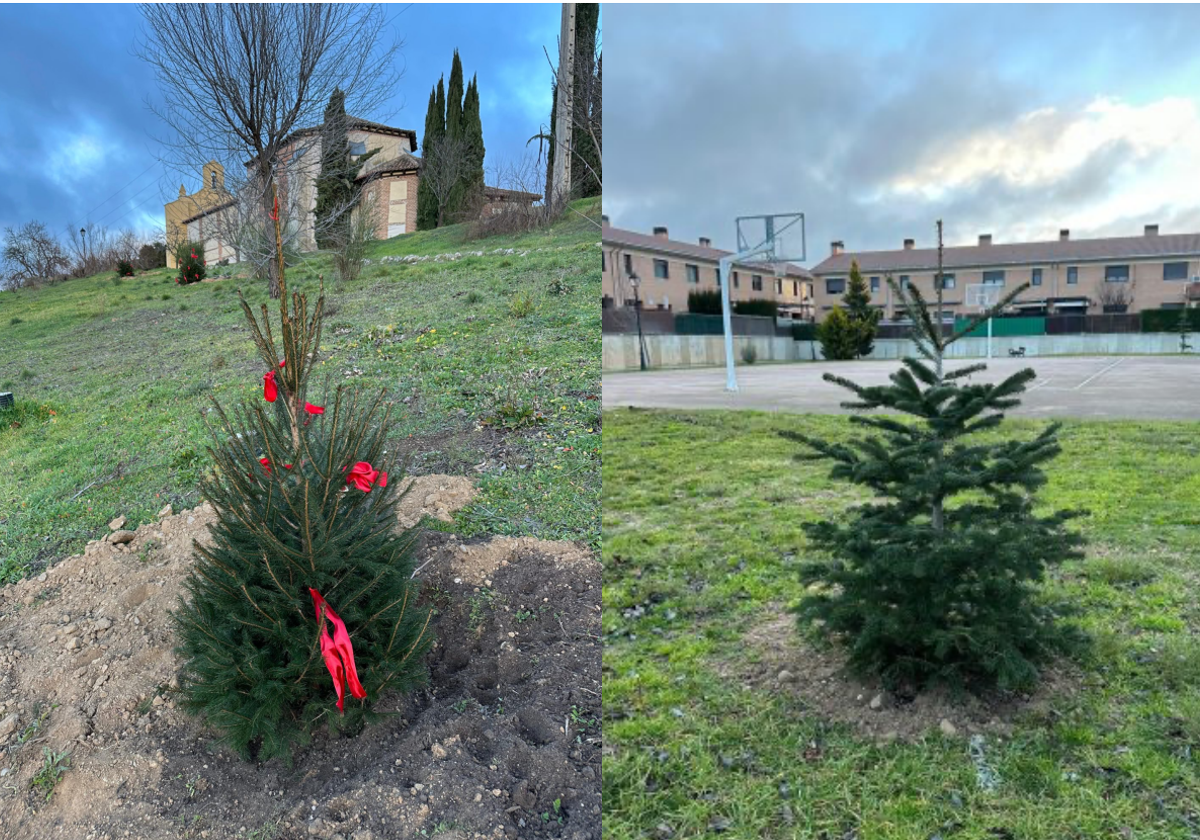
{"x":178,"y":214}
{"x":1065,"y":275}
{"x":668,"y":270}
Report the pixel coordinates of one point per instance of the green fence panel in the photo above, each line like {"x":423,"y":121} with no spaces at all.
{"x":690,"y":323}
{"x":1168,"y":320}
{"x":1024,"y":325}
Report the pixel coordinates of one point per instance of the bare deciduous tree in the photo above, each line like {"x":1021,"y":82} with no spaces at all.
{"x":1115,"y":297}
{"x":32,"y":255}
{"x":446,"y":162}
{"x":239,"y":79}
{"x":350,"y":240}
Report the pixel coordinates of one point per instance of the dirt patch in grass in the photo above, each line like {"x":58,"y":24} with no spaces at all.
{"x":504,"y":741}
{"x":780,"y":660}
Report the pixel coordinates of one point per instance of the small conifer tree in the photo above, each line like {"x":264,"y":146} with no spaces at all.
{"x":305,"y":536}
{"x":838,"y":336}
{"x":864,"y":318}
{"x":934,"y":579}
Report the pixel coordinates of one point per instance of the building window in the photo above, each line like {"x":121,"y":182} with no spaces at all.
{"x":661,"y":271}
{"x":904,"y":281}
{"x":993,"y":278}
{"x":717,"y":272}
{"x":948,"y":281}
{"x":1036,"y":277}
{"x":795,"y":289}
{"x":1116,"y":274}
{"x":214,"y":179}
{"x":359,"y":148}
{"x":778,"y":285}
{"x":603,"y":262}
{"x":737,"y":281}
{"x":835,"y":285}
{"x":1072,"y":275}
{"x":628,"y":264}
{"x":1175,"y":271}
{"x":756,"y":282}
{"x":874,"y":284}
{"x":693,"y":274}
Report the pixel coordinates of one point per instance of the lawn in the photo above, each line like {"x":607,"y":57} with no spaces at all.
{"x":702,"y":541}
{"x":493,"y":361}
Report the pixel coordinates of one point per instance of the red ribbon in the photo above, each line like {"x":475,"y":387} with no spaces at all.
{"x":274,"y":213}
{"x":339,"y":655}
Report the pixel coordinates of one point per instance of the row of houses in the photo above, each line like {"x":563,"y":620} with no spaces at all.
{"x":388,"y":179}
{"x":1065,"y":275}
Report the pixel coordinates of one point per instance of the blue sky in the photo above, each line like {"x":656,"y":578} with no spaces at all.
{"x":877,"y":120}
{"x":75,"y":128}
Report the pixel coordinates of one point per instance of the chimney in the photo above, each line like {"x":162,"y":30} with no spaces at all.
{"x":909,"y":243}
{"x":1064,"y":235}
{"x":604,"y":220}
{"x":1151,"y":230}
{"x":660,"y":232}
{"x":985,"y":239}
{"x":705,"y":242}
{"x":836,"y":247}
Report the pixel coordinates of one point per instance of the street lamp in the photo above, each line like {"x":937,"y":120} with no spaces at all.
{"x":635,"y":281}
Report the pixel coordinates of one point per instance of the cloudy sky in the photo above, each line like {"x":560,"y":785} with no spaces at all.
{"x":78,"y":143}
{"x":877,"y":120}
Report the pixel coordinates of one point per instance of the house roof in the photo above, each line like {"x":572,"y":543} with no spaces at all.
{"x":632,"y":239}
{"x":1017,"y":253}
{"x":498,"y":192}
{"x":216,"y":208}
{"x":402,"y":163}
{"x":352,"y":124}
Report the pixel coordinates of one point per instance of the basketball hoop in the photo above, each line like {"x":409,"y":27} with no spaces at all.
{"x":770,"y":242}
{"x":982,"y":297}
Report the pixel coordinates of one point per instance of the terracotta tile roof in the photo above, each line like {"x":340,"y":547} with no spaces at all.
{"x":404,"y":162}
{"x":216,"y":208}
{"x":498,"y":192}
{"x":632,"y":239}
{"x":1017,"y":253}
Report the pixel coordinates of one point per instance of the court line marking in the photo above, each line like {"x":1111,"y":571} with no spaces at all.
{"x":1098,"y":374}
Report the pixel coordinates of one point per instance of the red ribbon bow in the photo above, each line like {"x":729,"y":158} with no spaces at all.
{"x":362,"y":476}
{"x":270,"y":390}
{"x":339,"y":655}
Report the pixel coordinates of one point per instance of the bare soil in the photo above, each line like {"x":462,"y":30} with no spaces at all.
{"x":780,"y":659}
{"x":503,"y":742}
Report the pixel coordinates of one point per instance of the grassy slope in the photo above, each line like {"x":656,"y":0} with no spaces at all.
{"x":702,"y":512}
{"x":109,"y":374}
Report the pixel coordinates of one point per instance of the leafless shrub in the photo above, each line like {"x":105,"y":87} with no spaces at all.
{"x":1115,"y":297}
{"x":512,"y":219}
{"x":350,"y":241}
{"x":31,"y":255}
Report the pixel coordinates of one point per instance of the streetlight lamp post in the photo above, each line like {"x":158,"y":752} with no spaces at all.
{"x":634,"y":281}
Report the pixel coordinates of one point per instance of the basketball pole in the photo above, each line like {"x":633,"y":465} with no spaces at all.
{"x":726,"y":266}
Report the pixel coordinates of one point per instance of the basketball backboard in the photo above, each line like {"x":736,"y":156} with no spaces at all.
{"x":982,"y":296}
{"x":779,"y":236}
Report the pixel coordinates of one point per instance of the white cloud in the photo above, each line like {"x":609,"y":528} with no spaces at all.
{"x":74,"y":155}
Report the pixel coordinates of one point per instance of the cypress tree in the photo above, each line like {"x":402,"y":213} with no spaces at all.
{"x":435,"y":126}
{"x":337,"y":192}
{"x":305,"y":536}
{"x":863,"y":317}
{"x":552,"y":138}
{"x":934,"y":577}
{"x":585,"y":163}
{"x":474,"y":136}
{"x":454,"y":99}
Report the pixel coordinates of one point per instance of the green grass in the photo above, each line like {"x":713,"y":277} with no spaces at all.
{"x":109,"y":385}
{"x":702,"y":516}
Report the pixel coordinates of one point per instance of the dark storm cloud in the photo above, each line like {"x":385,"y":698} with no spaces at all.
{"x":78,"y":143}
{"x":717,"y":112}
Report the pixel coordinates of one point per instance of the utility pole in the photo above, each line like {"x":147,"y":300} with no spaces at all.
{"x":564,"y":117}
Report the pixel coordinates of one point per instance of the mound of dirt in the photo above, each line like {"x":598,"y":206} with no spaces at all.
{"x":783,"y":661}
{"x":503,"y":742}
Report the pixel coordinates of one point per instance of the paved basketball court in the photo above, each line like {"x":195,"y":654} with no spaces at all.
{"x":1125,"y":387}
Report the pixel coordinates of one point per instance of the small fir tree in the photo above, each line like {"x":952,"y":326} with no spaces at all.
{"x":934,"y":579}
{"x":863,"y":317}
{"x":1184,"y":327}
{"x":838,"y":336}
{"x":189,"y":257}
{"x":305,"y":538}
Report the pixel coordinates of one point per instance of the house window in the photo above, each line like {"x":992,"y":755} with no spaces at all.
{"x":948,"y":281}
{"x":693,"y":274}
{"x":903,"y":281}
{"x":874,"y":284}
{"x":795,"y":289}
{"x":993,"y":278}
{"x":1072,"y":275}
{"x":778,"y":286}
{"x":1036,"y":277}
{"x":359,"y":148}
{"x":835,"y":285}
{"x":629,"y":264}
{"x":1175,"y":271}
{"x":603,"y":262}
{"x":660,"y":270}
{"x":1116,"y":274}
{"x":756,"y":282}
{"x":214,"y":179}
{"x":717,"y":272}
{"x":737,"y":281}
